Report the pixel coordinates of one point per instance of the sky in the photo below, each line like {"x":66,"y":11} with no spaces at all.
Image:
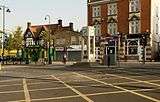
{"x":34,"y":11}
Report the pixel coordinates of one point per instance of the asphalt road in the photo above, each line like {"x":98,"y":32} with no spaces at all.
{"x":56,"y":83}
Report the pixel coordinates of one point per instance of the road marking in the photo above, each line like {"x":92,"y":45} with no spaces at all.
{"x":118,"y":87}
{"x":17,"y":101}
{"x":73,"y":89}
{"x":116,"y":92}
{"x":54,"y":98}
{"x":26,"y":92}
{"x":6,"y":92}
{"x":49,"y":89}
{"x":135,"y":82}
{"x":10,"y":80}
{"x":10,"y":85}
{"x":147,"y":82}
{"x":94,"y":94}
{"x":41,"y":82}
{"x":63,"y":88}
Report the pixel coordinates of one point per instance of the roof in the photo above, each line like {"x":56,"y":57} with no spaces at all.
{"x":36,"y":29}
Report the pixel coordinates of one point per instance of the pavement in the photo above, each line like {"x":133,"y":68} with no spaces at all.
{"x":58,"y":83}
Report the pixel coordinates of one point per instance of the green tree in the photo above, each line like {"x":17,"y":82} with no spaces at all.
{"x":35,"y":54}
{"x":9,"y":44}
{"x":17,"y":39}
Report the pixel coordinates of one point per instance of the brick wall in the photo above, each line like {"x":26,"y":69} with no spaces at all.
{"x":123,"y":15}
{"x":145,"y":15}
{"x":104,"y":19}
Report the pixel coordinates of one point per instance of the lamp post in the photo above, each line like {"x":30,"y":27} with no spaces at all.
{"x":4,"y":9}
{"x":49,"y":56}
{"x":118,"y":46}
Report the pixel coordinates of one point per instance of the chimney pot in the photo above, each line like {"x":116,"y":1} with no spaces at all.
{"x":28,"y":24}
{"x":71,"y":25}
{"x":60,"y":22}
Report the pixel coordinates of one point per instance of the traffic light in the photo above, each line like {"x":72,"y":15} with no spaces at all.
{"x":144,"y":40}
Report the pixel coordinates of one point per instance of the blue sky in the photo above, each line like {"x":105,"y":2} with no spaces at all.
{"x":34,"y":11}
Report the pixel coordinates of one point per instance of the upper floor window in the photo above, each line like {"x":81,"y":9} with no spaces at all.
{"x":73,"y":40}
{"x":28,"y":35}
{"x":134,"y":27}
{"x":96,"y":11}
{"x":112,"y":9}
{"x":112,"y":28}
{"x":97,"y":29}
{"x":29,"y":41}
{"x":134,"y":5}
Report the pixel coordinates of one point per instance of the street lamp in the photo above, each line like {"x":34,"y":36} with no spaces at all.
{"x":4,"y":9}
{"x":49,"y":56}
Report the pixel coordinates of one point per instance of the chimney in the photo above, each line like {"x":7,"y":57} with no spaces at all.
{"x":71,"y":25}
{"x":28,"y":24}
{"x":60,"y":22}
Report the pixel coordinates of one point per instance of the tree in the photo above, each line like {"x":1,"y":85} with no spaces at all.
{"x":17,"y":39}
{"x":35,"y":54}
{"x":9,"y":43}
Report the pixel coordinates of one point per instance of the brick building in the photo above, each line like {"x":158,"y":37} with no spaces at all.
{"x":63,"y":39}
{"x":131,"y":19}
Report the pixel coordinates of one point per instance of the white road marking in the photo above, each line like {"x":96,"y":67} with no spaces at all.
{"x":116,"y":92}
{"x":26,"y":92}
{"x":10,"y":80}
{"x":135,"y":82}
{"x":147,"y":82}
{"x":94,"y":94}
{"x":73,"y":89}
{"x":8,"y":92}
{"x":62,"y":88}
{"x":10,"y":85}
{"x":48,"y":89}
{"x":17,"y":101}
{"x":41,"y":83}
{"x":54,"y":98}
{"x":130,"y":91}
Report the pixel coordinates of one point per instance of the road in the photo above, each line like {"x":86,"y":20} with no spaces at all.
{"x":57,"y":83}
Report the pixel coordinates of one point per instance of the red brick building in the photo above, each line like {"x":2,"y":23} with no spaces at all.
{"x":129,"y":18}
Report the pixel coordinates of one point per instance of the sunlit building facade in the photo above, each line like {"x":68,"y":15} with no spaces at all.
{"x":131,"y":19}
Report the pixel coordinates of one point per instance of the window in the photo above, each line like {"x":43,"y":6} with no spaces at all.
{"x":97,"y":30}
{"x":28,"y":35}
{"x":41,"y":42}
{"x":112,"y":9}
{"x":134,"y":27}
{"x":73,"y":40}
{"x":96,"y":11}
{"x":60,"y":41}
{"x":29,"y":41}
{"x":112,"y":28}
{"x":134,"y":5}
